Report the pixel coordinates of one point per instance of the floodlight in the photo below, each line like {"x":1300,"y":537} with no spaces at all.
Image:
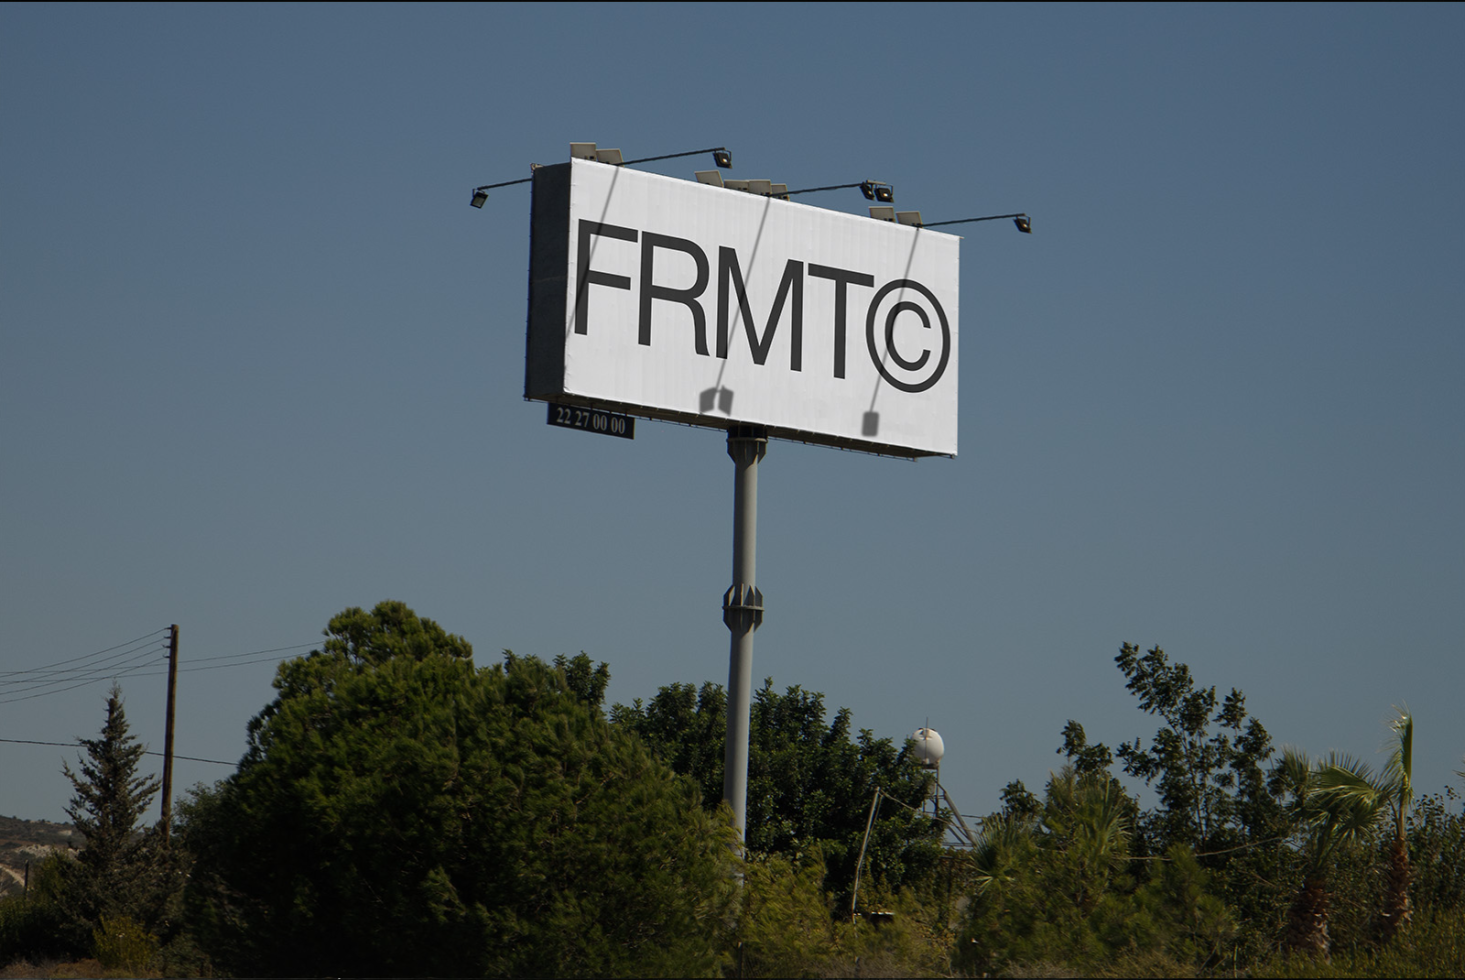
{"x":909,"y":218}
{"x":720,"y":156}
{"x":480,"y":194}
{"x":612,"y":157}
{"x":882,"y":213}
{"x":1023,"y":222}
{"x":874,"y":190}
{"x":713,"y":177}
{"x":763,"y":187}
{"x":780,"y":191}
{"x":737,"y":185}
{"x":582,"y":151}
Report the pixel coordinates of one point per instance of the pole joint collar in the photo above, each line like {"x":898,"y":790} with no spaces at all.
{"x":742,"y":605}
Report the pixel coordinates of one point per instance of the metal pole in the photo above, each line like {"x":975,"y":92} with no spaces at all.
{"x":869,"y":822}
{"x":742,"y":611}
{"x":167,"y":820}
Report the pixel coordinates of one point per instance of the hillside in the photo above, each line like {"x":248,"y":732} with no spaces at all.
{"x":24,"y":841}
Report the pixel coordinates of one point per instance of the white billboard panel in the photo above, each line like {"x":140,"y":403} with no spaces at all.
{"x":678,"y":300}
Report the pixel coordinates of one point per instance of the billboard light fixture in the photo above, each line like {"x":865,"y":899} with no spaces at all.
{"x":874,"y":190}
{"x":1022,"y":221}
{"x":882,"y":213}
{"x":721,"y":156}
{"x":713,"y":177}
{"x":480,"y":194}
{"x":909,"y":218}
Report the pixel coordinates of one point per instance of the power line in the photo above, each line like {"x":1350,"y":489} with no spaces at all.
{"x":72,"y":745}
{"x":41,"y":673}
{"x":260,"y":657}
{"x":228,"y":656}
{"x":89,"y":655}
{"x":128,"y":663}
{"x":63,"y":690}
{"x":60,"y":674}
{"x":81,"y":679}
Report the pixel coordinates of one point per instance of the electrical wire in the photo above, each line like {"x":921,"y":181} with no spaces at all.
{"x":230,"y":656}
{"x":72,"y":745}
{"x":17,"y":691}
{"x":88,"y":663}
{"x":114,"y":662}
{"x":86,"y":656}
{"x":236,"y":660}
{"x":129,"y":660}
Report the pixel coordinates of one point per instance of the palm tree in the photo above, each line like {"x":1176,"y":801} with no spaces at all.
{"x":1329,"y":817}
{"x":1396,"y":792}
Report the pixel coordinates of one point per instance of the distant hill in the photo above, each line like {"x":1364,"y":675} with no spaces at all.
{"x":29,"y":840}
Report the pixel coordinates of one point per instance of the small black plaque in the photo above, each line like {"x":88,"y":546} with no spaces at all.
{"x":592,"y":420}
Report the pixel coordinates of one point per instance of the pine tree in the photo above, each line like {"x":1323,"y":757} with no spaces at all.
{"x":115,"y":873}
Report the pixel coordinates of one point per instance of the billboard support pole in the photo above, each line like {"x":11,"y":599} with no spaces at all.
{"x":742,"y":612}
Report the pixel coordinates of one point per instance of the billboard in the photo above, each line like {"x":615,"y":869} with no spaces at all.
{"x":676,"y":300}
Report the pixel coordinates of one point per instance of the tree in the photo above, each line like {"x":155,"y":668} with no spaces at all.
{"x":1394,"y":791}
{"x":1212,"y":787}
{"x":401,"y":812}
{"x":1329,"y":821}
{"x":809,"y":783}
{"x":121,"y":870}
{"x":1208,"y":763}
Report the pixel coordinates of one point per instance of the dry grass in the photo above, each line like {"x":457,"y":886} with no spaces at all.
{"x":64,"y":970}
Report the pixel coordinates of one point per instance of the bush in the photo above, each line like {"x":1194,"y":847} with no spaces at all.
{"x":38,"y":926}
{"x":788,"y":927}
{"x":121,"y":944}
{"x":1433,"y":945}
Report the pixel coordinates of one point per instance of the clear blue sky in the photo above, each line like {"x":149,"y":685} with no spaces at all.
{"x":260,"y":361}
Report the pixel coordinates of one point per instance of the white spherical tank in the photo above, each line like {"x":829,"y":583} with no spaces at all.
{"x":929,"y":747}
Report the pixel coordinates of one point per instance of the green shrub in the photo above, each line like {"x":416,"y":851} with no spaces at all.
{"x":1433,"y":945}
{"x":37,"y":926}
{"x":122,"y":944}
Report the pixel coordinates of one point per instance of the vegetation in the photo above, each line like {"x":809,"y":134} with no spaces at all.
{"x":810,"y":784}
{"x":115,"y":873}
{"x":1352,"y":788}
{"x":401,"y":810}
{"x":119,"y":892}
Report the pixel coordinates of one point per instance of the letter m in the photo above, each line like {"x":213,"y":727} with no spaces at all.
{"x":728,"y":270}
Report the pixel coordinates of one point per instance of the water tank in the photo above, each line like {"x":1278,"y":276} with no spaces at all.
{"x":929,"y":747}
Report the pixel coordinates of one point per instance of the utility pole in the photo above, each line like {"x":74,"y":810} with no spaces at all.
{"x":167,"y":820}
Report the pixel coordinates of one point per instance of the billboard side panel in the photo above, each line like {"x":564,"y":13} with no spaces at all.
{"x":549,"y":256}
